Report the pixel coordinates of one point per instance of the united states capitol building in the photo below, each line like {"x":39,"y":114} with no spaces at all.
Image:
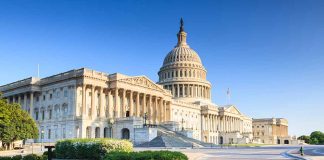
{"x":84,"y":103}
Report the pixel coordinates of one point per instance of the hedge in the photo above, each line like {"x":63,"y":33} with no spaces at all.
{"x":90,"y":148}
{"x":146,"y":155}
{"x":27,"y":157}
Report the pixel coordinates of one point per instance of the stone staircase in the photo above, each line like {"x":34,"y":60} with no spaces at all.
{"x":168,"y":138}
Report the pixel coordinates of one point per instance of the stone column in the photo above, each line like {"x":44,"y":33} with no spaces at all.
{"x":203,"y":122}
{"x":110,"y":104}
{"x":31,"y":107}
{"x":123,"y":112}
{"x":214,"y":124}
{"x":173,"y":90}
{"x":19,"y":99}
{"x":144,"y":104}
{"x":183,"y":90}
{"x":150,"y":109}
{"x":117,"y":104}
{"x":225,"y":123}
{"x":155,"y":110}
{"x":131,"y":109}
{"x":101,"y":102}
{"x":93,"y":107}
{"x":178,"y":89}
{"x":25,"y":101}
{"x":84,"y":105}
{"x":208,"y":123}
{"x":163,"y":112}
{"x":137,"y":104}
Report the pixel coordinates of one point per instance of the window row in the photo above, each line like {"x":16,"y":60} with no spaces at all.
{"x":47,"y":113}
{"x":182,"y":73}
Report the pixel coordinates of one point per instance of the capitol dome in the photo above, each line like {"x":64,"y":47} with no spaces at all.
{"x":183,"y":73}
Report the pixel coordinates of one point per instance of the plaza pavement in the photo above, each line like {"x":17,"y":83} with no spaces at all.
{"x":275,"y":152}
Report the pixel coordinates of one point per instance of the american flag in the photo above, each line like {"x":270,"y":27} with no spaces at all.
{"x":228,"y":91}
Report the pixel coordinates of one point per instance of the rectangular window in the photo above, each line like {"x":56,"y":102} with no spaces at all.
{"x":65,"y":93}
{"x":63,"y":133}
{"x":51,"y":96}
{"x":44,"y":97}
{"x":36,"y":115}
{"x":56,"y":134}
{"x":43,"y":115}
{"x":49,"y":133}
{"x":50,"y":114}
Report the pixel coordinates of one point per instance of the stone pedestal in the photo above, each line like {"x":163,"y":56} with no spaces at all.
{"x":124,"y":127}
{"x":143,"y":135}
{"x":187,"y":133}
{"x":171,"y":125}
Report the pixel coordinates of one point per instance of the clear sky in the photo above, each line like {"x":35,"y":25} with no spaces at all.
{"x":270,"y":53}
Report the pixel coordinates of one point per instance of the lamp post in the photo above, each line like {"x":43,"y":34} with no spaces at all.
{"x":111,"y":123}
{"x":145,"y":118}
{"x":182,"y":121}
{"x":42,"y":136}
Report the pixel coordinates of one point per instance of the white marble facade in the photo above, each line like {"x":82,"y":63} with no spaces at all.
{"x":85,"y":103}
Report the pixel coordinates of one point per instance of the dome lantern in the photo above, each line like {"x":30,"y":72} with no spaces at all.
{"x":182,"y":36}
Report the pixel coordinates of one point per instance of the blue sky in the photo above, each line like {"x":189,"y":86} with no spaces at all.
{"x":270,"y":53}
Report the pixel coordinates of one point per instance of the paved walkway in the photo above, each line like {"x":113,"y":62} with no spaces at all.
{"x":239,"y":153}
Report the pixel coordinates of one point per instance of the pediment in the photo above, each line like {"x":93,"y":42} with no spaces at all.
{"x":233,"y":109}
{"x":143,"y":82}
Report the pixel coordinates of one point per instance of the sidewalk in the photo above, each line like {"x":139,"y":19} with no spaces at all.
{"x":296,"y":154}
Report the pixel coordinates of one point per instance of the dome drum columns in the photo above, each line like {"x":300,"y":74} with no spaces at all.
{"x":189,"y":90}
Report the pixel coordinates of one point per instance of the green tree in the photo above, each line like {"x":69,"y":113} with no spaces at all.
{"x":15,"y":124}
{"x":305,"y":138}
{"x":317,"y":137}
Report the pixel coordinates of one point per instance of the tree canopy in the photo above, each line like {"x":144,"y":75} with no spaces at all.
{"x":316,"y":137}
{"x":15,"y":123}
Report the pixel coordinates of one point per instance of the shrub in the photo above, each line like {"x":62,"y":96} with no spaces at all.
{"x":5,"y":158}
{"x":146,"y":155}
{"x":90,"y":148}
{"x":17,"y":157}
{"x":32,"y":157}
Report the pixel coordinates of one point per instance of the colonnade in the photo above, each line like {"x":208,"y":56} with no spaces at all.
{"x":214,"y":123}
{"x":189,"y":90}
{"x":122,"y":102}
{"x":18,"y":98}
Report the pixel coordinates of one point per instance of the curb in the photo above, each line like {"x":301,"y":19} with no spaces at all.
{"x":287,"y":154}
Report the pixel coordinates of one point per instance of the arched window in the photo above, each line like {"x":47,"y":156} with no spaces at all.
{"x":180,"y":73}
{"x":88,"y":132}
{"x":97,"y":132}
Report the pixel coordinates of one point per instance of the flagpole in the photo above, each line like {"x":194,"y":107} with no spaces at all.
{"x":228,"y":96}
{"x":38,"y":70}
